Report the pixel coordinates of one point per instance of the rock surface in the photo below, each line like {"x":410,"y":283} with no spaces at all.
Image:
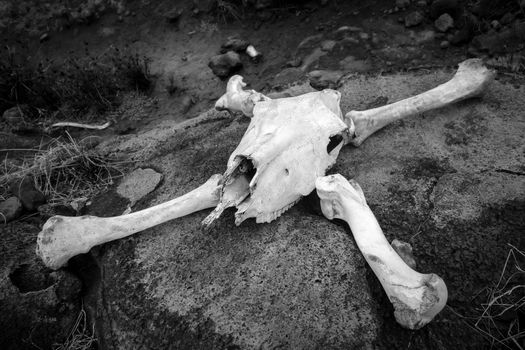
{"x":39,"y":307}
{"x":300,"y":281}
{"x":414,"y":19}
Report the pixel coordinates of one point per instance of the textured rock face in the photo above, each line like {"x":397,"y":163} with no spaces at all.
{"x":450,"y":183}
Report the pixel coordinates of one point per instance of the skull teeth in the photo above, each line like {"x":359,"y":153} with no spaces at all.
{"x":269,"y":217}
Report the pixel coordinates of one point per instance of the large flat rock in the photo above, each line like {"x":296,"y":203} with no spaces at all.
{"x":450,"y":182}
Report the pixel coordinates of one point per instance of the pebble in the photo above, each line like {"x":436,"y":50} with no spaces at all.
{"x":225,"y":64}
{"x":413,"y":19}
{"x":444,"y":23}
{"x":364,"y":36}
{"x":10,"y":209}
{"x":444,"y":44}
{"x":26,"y":192}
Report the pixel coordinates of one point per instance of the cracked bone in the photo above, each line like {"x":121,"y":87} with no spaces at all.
{"x":63,"y":237}
{"x":470,"y":80}
{"x":416,"y":297}
{"x":238,"y":100}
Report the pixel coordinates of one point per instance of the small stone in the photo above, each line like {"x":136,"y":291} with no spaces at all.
{"x":13,"y":116}
{"x":324,"y":79}
{"x":186,"y":103}
{"x":26,"y":192}
{"x":225,"y":65}
{"x":173,"y":15}
{"x":402,"y":3}
{"x":328,"y":45}
{"x":422,"y":3}
{"x":234,"y":44}
{"x":495,"y":24}
{"x":444,"y":44}
{"x":400,"y":19}
{"x":413,"y":19}
{"x":296,"y":62}
{"x":138,"y":184}
{"x":10,"y":209}
{"x":44,"y":37}
{"x":444,"y":23}
{"x":364,"y":36}
{"x":404,"y":250}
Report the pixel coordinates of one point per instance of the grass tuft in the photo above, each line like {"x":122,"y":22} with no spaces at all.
{"x":499,"y":317}
{"x":65,"y":171}
{"x":80,"y":337}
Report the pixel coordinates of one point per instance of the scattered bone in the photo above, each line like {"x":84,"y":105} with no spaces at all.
{"x":63,"y":237}
{"x":80,"y":125}
{"x":470,"y":80}
{"x":238,"y":100}
{"x":253,"y":53}
{"x":416,"y":297}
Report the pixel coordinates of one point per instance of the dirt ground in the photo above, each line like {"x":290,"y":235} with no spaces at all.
{"x":450,"y":182}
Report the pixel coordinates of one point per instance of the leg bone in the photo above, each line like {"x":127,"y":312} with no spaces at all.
{"x":238,"y":100}
{"x":470,"y":80}
{"x":416,"y":297}
{"x":63,"y":237}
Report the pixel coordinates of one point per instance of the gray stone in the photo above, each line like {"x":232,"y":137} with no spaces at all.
{"x":324,"y":79}
{"x":287,"y":76}
{"x":138,"y":184}
{"x":402,"y":3}
{"x":444,"y":44}
{"x":225,"y":64}
{"x":444,"y":23}
{"x":452,"y":7}
{"x":234,"y":44}
{"x":351,"y":64}
{"x":10,"y":209}
{"x":28,"y":194}
{"x":328,"y":45}
{"x":414,"y":19}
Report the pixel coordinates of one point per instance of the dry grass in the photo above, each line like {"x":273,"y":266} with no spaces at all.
{"x":80,"y":337}
{"x":498,"y":316}
{"x":65,"y":171}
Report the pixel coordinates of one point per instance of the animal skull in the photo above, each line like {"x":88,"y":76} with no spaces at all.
{"x":288,"y":144}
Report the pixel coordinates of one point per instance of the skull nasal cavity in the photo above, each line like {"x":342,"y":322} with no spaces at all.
{"x":335,"y":140}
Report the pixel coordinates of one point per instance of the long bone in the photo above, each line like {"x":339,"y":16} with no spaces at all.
{"x":238,"y":100}
{"x":416,"y":297}
{"x":63,"y":237}
{"x":470,"y":80}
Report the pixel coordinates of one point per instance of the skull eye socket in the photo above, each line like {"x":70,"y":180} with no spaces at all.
{"x":335,"y":141}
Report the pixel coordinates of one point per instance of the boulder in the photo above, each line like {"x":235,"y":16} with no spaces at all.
{"x":225,"y":64}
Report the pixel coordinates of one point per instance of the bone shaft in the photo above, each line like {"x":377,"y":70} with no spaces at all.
{"x":123,"y":226}
{"x":452,"y":91}
{"x":370,"y":240}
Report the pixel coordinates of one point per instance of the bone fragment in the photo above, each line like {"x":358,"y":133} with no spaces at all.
{"x":63,"y":237}
{"x":82,"y":126}
{"x":253,"y":53}
{"x":416,"y":297}
{"x":238,"y":100}
{"x":470,"y":80}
